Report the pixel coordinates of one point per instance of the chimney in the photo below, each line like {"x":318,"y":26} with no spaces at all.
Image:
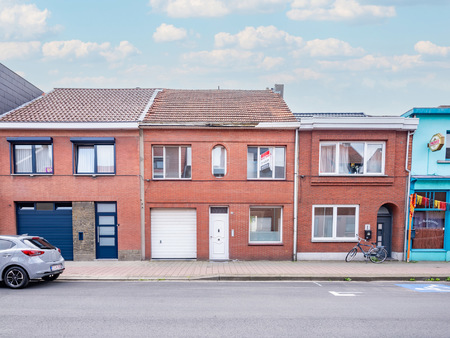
{"x":279,"y":89}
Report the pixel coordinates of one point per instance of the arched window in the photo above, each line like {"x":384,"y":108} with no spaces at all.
{"x":219,"y":161}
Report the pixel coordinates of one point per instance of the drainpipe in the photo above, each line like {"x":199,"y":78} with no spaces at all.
{"x":408,"y":187}
{"x":142,"y":190}
{"x":295,"y":196}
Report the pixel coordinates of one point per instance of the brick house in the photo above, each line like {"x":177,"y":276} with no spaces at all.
{"x":71,"y":171}
{"x":353,"y":177}
{"x":219,"y":175}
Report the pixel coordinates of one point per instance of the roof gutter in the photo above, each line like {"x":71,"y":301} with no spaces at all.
{"x":70,"y":125}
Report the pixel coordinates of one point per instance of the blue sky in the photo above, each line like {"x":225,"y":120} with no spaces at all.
{"x":380,"y":57}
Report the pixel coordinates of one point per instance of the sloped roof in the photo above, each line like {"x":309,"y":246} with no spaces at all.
{"x":218,"y":106}
{"x":84,"y":105}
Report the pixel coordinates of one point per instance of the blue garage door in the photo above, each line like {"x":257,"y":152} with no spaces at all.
{"x":53,"y":221}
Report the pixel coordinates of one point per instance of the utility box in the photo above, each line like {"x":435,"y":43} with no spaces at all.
{"x":367,"y":234}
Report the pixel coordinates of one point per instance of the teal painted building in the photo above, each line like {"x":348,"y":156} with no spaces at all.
{"x":430,"y":181}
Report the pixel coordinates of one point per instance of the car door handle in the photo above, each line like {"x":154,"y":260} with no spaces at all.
{"x":7,"y":255}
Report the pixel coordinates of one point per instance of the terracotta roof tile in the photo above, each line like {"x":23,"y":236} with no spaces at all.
{"x":84,"y":105}
{"x":218,"y":106}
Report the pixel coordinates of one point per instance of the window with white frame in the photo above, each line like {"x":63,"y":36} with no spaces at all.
{"x":265,"y":224}
{"x":31,"y":155}
{"x":266,"y":162}
{"x":219,"y":161}
{"x":94,"y":155}
{"x":335,"y":222}
{"x":347,"y":158}
{"x":172,"y":162}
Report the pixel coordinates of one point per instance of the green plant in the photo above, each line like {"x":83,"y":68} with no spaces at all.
{"x":347,"y":279}
{"x":412,"y":279}
{"x":437,"y":279}
{"x":448,"y":279}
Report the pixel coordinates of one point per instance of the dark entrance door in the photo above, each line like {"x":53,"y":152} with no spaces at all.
{"x":384,"y":229}
{"x":106,"y":230}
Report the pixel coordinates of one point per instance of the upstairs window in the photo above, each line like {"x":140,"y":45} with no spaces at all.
{"x":348,"y":158}
{"x":94,"y":155}
{"x":32,"y":155}
{"x":266,"y":163}
{"x":172,"y":162}
{"x":219,"y":161}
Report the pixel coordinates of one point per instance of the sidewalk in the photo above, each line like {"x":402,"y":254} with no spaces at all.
{"x":254,"y":270}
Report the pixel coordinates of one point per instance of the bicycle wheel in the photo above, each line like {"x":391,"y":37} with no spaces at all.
{"x":378,"y":255}
{"x":351,"y":254}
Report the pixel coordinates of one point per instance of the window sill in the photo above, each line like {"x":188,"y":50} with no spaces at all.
{"x":31,"y":175}
{"x":334,"y":240}
{"x":171,"y":179}
{"x":266,"y":179}
{"x":444,"y":162}
{"x":265,"y":244}
{"x":93,"y":175}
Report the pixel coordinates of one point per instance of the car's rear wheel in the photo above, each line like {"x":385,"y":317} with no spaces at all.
{"x":15,"y":278}
{"x":49,"y":278}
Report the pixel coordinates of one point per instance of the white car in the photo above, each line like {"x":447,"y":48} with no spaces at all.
{"x":24,"y":258}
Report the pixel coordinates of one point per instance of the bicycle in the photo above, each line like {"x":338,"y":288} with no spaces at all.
{"x":376,"y":254}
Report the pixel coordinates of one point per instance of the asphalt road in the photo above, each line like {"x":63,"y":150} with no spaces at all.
{"x":218,"y":309}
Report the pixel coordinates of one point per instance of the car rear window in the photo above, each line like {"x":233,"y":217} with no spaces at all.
{"x":39,"y":242}
{"x":5,"y":245}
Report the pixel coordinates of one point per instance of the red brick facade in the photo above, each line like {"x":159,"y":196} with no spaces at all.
{"x":64,"y":186}
{"x":233,"y":190}
{"x":369,"y":192}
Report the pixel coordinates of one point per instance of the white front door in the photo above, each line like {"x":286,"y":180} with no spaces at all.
{"x":218,"y":233}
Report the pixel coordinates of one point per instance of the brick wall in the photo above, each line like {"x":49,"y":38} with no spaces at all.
{"x":122,"y":188}
{"x":233,"y":190}
{"x":370,"y":193}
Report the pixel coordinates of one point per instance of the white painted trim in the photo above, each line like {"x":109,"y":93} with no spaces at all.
{"x":278,"y":125}
{"x":69,"y":125}
{"x":359,"y":123}
{"x":149,"y":104}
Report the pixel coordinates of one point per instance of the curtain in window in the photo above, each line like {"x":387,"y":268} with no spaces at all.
{"x":172,"y":162}
{"x":23,"y":158}
{"x":351,"y":158}
{"x":374,"y":158}
{"x":328,"y":158}
{"x":219,"y":158}
{"x":323,"y":222}
{"x":105,"y":158}
{"x":345,"y":224}
{"x":252,"y":162}
{"x":85,"y":159}
{"x":279,"y":162}
{"x":44,"y":159}
{"x":430,"y":228}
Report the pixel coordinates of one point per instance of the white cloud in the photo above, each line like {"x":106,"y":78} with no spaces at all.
{"x":295,"y":76}
{"x":337,"y":10}
{"x":214,"y":8}
{"x":370,"y":62}
{"x":166,"y":33}
{"x":427,"y":47}
{"x":80,"y":49}
{"x":271,"y":62}
{"x":330,"y":47}
{"x":190,"y":8}
{"x":87,"y":81}
{"x":121,"y":52}
{"x":18,"y":50}
{"x":251,"y":38}
{"x":22,"y":21}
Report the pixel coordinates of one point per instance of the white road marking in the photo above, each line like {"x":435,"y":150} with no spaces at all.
{"x":343,"y":294}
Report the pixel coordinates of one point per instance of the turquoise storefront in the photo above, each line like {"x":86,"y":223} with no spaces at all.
{"x":430,"y":181}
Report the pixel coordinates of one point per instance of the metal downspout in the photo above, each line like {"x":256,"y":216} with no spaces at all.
{"x":142,"y":190}
{"x":408,"y":187}
{"x":295,"y":196}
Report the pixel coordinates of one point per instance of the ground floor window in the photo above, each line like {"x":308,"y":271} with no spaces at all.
{"x":429,"y":220}
{"x":335,"y":222}
{"x":265,"y":224}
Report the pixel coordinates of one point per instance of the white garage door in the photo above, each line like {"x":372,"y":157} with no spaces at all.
{"x":174,"y":233}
